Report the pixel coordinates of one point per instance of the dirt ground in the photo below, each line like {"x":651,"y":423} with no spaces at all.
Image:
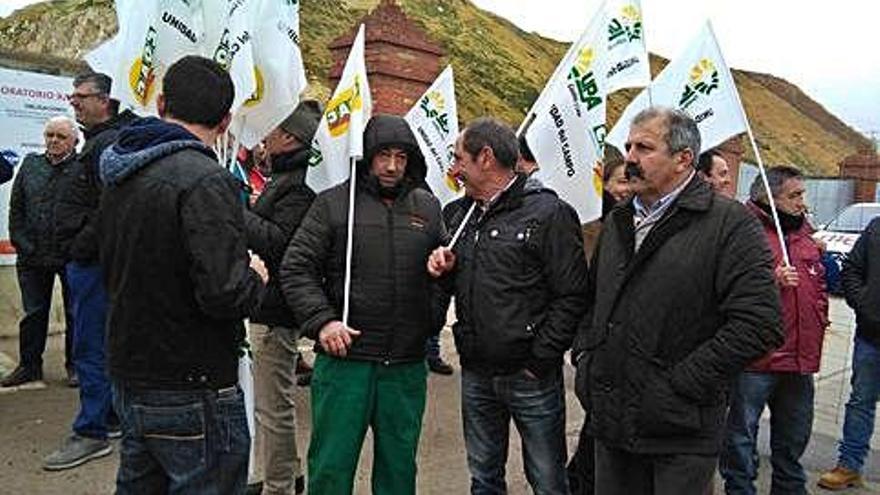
{"x":33,"y":423}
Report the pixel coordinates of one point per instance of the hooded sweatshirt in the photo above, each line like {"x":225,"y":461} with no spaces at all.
{"x":395,"y":231}
{"x":175,"y":261}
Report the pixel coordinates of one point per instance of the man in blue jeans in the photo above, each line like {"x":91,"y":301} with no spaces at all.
{"x":861,"y":287}
{"x":179,"y":281}
{"x":519,"y":278}
{"x":100,"y":119}
{"x":783,"y":379}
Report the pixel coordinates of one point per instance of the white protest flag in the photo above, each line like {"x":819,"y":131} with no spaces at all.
{"x":229,"y":37}
{"x":434,"y":121}
{"x":340,"y":134}
{"x":152,"y":36}
{"x":279,"y":75}
{"x":567,"y":128}
{"x":103,"y":58}
{"x":628,"y":65}
{"x":699,"y":83}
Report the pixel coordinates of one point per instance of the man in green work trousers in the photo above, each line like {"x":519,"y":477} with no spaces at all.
{"x":370,"y":372}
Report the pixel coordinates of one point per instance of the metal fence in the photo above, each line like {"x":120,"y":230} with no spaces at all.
{"x":826,"y":196}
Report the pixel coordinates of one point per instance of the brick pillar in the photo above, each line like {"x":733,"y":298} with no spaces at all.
{"x":401,"y":61}
{"x":864,"y":167}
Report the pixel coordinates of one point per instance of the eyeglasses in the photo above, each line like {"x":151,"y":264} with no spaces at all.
{"x":82,"y":96}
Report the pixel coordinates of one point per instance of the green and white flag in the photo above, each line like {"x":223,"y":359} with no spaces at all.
{"x":152,"y":36}
{"x":434,"y":121}
{"x":279,"y":74}
{"x":628,"y":65}
{"x":229,"y":39}
{"x":699,"y":83}
{"x":567,"y":131}
{"x":340,"y":134}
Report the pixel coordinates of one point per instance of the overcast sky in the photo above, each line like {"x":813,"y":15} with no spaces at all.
{"x":829,"y":49}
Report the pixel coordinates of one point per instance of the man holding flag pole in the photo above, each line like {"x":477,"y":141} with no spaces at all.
{"x":519,"y":278}
{"x":354,"y":276}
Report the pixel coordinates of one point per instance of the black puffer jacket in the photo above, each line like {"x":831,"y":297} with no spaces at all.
{"x":79,"y":202}
{"x":390,"y":286}
{"x":175,"y":261}
{"x":271,"y":224}
{"x":33,"y":227}
{"x":520,"y":282}
{"x":861,"y":282}
{"x":673,"y":324}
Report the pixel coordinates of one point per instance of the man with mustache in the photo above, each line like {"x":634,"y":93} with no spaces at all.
{"x":683,"y":299}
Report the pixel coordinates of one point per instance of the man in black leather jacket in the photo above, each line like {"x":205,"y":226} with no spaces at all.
{"x":519,"y":278}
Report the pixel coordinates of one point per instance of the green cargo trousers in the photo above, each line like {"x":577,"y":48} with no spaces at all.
{"x":349,"y":396}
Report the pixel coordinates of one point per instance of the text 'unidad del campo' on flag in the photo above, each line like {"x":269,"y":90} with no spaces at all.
{"x":434,"y":122}
{"x":567,"y":133}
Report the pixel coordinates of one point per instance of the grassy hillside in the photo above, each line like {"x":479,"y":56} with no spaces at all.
{"x":499,"y":68}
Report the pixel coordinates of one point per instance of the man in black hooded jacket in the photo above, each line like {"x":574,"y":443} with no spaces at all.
{"x":179,"y":282}
{"x":370,"y":371}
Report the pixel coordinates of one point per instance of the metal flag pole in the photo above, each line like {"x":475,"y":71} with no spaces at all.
{"x":461,"y":226}
{"x":348,"y":244}
{"x":745,"y":118}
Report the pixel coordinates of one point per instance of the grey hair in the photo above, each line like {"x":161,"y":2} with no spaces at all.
{"x":776,"y":177}
{"x":101,"y":81}
{"x":497,"y":136}
{"x":681,"y":130}
{"x":64,"y":119}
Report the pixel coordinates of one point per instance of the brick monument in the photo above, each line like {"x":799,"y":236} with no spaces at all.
{"x":401,"y":61}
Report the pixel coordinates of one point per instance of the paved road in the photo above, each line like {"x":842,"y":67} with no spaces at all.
{"x":33,"y":422}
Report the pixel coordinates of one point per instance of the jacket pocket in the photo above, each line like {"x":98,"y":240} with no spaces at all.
{"x":663,"y":412}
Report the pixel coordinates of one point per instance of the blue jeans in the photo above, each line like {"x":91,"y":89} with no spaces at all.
{"x":89,"y":301}
{"x":35,"y":284}
{"x":537,"y":407}
{"x":188,"y":441}
{"x":790,"y":399}
{"x":858,"y":423}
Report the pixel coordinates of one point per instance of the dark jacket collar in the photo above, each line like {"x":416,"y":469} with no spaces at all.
{"x":118,"y":120}
{"x":291,"y":160}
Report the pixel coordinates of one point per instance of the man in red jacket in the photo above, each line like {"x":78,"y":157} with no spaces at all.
{"x":782,"y":380}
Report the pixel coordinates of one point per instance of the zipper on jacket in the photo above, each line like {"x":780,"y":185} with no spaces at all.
{"x":389,"y":345}
{"x":473,"y":269}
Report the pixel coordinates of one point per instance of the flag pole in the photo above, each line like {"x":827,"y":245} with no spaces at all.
{"x":774,"y":213}
{"x":461,"y":226}
{"x":348,"y":244}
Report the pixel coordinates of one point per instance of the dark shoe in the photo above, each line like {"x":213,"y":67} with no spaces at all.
{"x":304,"y":380}
{"x":254,"y":488}
{"x":299,"y":485}
{"x":75,"y":451}
{"x":72,"y":379}
{"x":439,"y":366}
{"x":20,"y":376}
{"x":114,"y":429}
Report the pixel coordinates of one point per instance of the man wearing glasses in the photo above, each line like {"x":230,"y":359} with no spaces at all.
{"x":99,"y":117}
